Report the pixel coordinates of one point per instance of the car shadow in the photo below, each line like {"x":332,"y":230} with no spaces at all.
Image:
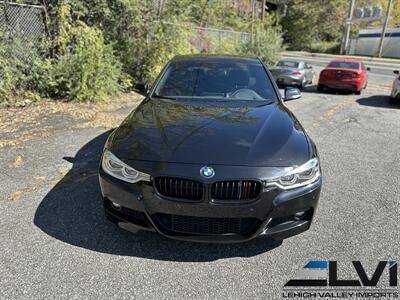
{"x":313,"y":89}
{"x":377,"y":101}
{"x":72,"y":212}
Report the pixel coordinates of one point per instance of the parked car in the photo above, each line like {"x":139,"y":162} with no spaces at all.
{"x":293,"y":73}
{"x":344,"y":74}
{"x":395,"y":95}
{"x":212,"y":154}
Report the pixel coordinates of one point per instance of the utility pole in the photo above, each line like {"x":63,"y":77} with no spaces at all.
{"x":385,"y":24}
{"x":253,"y":8}
{"x":347,"y":28}
{"x":263,"y":10}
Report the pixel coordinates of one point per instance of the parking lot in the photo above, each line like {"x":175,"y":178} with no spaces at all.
{"x":55,"y":242}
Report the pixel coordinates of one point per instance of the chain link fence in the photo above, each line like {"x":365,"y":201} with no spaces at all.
{"x":23,"y":26}
{"x":203,"y":36}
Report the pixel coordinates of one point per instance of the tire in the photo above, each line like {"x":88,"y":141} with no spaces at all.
{"x":358,"y":93}
{"x":320,"y":88}
{"x":302,"y":85}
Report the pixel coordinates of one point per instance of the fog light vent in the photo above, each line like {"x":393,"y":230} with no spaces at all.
{"x":115,"y":206}
{"x":300,"y":215}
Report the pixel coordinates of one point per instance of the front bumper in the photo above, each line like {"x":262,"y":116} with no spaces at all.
{"x":270,"y":215}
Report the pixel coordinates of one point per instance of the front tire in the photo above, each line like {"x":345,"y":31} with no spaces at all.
{"x":358,"y":93}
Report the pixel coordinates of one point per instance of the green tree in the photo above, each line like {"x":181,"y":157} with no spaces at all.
{"x":310,"y":22}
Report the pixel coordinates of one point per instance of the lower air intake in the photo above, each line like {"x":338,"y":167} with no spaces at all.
{"x":176,"y":224}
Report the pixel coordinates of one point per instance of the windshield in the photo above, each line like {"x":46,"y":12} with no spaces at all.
{"x":288,"y":64}
{"x":344,"y":65}
{"x":216,"y":80}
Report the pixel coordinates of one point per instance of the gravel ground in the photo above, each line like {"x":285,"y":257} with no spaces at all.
{"x":55,"y":242}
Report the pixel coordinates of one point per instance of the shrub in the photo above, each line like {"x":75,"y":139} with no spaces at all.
{"x":14,"y":69}
{"x":167,"y":39}
{"x":83,"y":68}
{"x":325,"y":47}
{"x":87,"y":70}
{"x":266,"y":44}
{"x":145,"y":40}
{"x":7,"y":86}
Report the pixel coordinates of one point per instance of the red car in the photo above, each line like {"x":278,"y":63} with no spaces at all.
{"x":344,"y":74}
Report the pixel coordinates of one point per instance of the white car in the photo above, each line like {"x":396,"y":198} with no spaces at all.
{"x":395,"y":95}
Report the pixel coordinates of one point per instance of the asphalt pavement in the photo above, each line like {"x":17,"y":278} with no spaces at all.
{"x":56,"y":244}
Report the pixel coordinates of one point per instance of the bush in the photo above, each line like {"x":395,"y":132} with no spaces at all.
{"x":7,"y":82}
{"x":86,"y":71}
{"x":325,"y":47}
{"x":83,"y":67}
{"x":167,"y":39}
{"x":266,"y":44}
{"x":144,"y":39}
{"x":14,"y":70}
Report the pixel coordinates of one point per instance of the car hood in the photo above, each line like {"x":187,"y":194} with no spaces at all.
{"x":237,"y":133}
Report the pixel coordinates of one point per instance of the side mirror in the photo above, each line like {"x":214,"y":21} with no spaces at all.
{"x":396,"y":72}
{"x":292,"y":94}
{"x":368,"y":69}
{"x":141,"y":88}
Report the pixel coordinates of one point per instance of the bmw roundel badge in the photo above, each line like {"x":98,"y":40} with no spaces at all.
{"x":207,"y":172}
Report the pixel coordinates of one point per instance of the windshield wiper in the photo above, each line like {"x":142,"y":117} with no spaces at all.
{"x":264,"y":101}
{"x":163,"y":97}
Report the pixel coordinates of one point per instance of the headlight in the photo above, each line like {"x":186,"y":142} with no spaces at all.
{"x":118,"y":169}
{"x":298,"y":177}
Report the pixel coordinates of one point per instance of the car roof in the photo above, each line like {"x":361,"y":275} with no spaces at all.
{"x":216,"y":58}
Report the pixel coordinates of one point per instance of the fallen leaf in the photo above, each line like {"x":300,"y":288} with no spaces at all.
{"x":15,"y":196}
{"x":63,"y":170}
{"x":18,"y":162}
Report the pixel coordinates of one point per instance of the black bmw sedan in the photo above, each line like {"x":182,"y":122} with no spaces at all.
{"x":212,"y":154}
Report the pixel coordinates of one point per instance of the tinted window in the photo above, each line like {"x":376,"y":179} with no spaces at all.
{"x":227,"y":80}
{"x":344,"y":65}
{"x":288,"y":64}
